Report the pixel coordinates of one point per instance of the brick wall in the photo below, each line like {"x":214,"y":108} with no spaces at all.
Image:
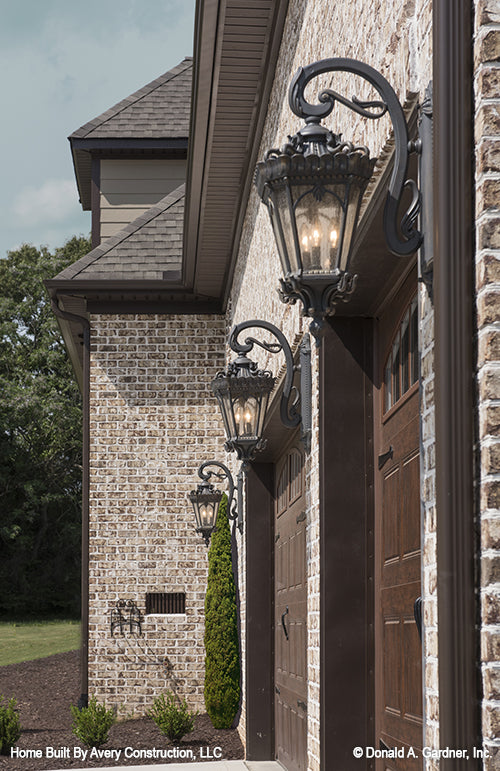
{"x":487,"y":127}
{"x":153,"y":420}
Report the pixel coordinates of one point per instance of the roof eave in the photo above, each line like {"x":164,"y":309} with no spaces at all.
{"x":209,"y":264}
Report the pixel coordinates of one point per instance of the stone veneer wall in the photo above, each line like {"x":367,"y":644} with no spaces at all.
{"x":428,"y":496}
{"x":153,"y":420}
{"x":394,"y":37}
{"x":487,"y":128}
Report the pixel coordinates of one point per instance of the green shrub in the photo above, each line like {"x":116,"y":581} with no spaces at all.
{"x":91,"y":724}
{"x":10,"y":726}
{"x":172,"y":716}
{"x":222,"y":660}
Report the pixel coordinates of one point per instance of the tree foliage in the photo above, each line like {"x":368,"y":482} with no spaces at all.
{"x":40,"y":440}
{"x":222,"y":662}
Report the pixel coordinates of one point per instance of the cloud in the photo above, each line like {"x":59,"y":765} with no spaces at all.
{"x":74,"y":61}
{"x":53,"y":201}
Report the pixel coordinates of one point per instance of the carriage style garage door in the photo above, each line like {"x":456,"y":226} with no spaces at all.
{"x":398,"y":655}
{"x":290,"y":613}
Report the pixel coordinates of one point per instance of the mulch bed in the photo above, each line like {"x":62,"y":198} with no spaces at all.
{"x":44,"y":690}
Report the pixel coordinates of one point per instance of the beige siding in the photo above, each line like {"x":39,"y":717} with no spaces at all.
{"x":129,"y":187}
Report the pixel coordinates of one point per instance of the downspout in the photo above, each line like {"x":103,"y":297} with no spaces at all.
{"x":454,"y":248}
{"x":84,"y":651}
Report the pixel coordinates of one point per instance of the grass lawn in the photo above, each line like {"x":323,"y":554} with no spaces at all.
{"x":25,"y":641}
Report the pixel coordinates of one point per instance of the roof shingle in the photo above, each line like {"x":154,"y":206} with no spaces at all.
{"x":159,"y":110}
{"x":143,"y":250}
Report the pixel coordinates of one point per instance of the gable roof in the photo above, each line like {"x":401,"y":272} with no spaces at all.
{"x":161,"y":109}
{"x":144,"y":250}
{"x":153,"y":119}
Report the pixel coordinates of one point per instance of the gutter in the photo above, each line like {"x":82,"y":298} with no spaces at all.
{"x":84,"y":651}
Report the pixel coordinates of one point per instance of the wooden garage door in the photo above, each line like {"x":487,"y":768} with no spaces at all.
{"x":398,"y":655}
{"x":290,"y":630}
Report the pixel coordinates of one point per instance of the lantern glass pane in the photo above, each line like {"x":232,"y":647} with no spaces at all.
{"x":262,"y":414}
{"x":290,"y":260}
{"x":246,"y":413}
{"x":205,"y":513}
{"x":353,"y":194}
{"x":228,"y":415}
{"x":319,"y":216}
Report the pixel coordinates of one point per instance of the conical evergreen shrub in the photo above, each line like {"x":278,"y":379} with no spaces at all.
{"x":222,"y":662}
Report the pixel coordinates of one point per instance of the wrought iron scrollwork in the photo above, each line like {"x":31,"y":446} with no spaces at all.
{"x":407,"y":238}
{"x":224,"y":473}
{"x":290,"y":414}
{"x":126,"y":617}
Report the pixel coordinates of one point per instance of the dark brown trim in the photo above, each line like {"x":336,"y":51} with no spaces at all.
{"x":127,"y":306}
{"x":84,"y":650}
{"x":259,"y":613}
{"x":129,"y":144}
{"x":95,"y":202}
{"x":143,"y":155}
{"x":346,"y":541}
{"x":122,"y":286}
{"x":117,"y":296}
{"x":459,"y":712}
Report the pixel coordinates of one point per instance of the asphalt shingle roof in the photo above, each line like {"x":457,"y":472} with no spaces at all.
{"x":143,"y":250}
{"x":159,"y":110}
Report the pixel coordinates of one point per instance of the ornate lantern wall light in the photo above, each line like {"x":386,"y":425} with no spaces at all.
{"x":314,"y":186}
{"x":243,"y":390}
{"x":206,"y":499}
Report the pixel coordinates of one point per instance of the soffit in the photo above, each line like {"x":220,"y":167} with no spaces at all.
{"x":236,"y":47}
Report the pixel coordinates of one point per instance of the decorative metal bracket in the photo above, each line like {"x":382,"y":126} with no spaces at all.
{"x":236,"y":512}
{"x":406,"y":238}
{"x":291,"y":414}
{"x":426,"y":179}
{"x":126,"y":616}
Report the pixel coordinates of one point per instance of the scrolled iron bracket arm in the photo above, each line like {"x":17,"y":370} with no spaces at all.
{"x":411,"y":237}
{"x":226,"y":474}
{"x":290,"y":415}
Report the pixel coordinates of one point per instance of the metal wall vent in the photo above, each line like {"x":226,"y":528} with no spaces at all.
{"x":166,"y":602}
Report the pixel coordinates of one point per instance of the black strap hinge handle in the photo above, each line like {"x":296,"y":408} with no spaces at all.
{"x":417,"y":612}
{"x":283,"y":622}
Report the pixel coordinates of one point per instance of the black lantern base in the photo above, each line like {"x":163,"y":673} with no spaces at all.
{"x":318,"y":294}
{"x":245,"y":450}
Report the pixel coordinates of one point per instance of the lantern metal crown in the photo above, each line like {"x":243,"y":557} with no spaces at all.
{"x":313,"y":188}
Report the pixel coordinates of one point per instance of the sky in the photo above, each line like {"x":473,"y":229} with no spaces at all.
{"x":62,"y":63}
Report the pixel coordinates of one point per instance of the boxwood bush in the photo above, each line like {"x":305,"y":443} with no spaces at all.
{"x":10,"y":727}
{"x":222,"y":662}
{"x":172,"y":716}
{"x":91,"y":724}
